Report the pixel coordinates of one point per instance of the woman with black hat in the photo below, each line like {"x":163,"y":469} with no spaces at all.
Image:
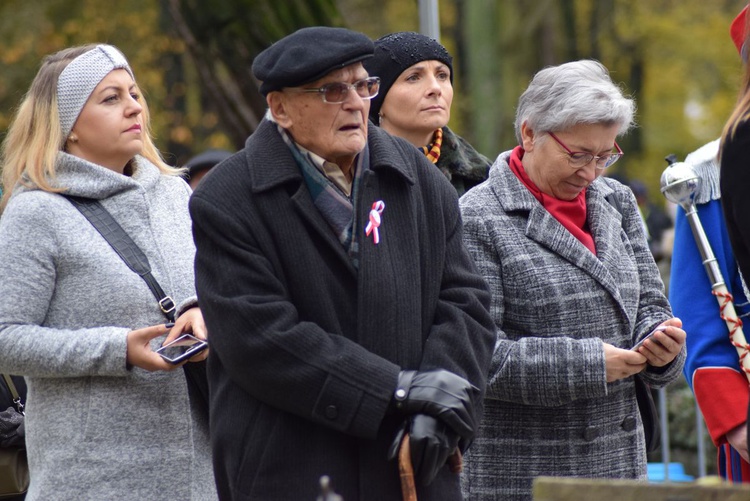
{"x":414,"y":102}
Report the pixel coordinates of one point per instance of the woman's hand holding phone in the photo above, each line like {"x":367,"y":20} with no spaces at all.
{"x":139,"y":349}
{"x":182,"y":349}
{"x":650,"y":336}
{"x":663,"y":344}
{"x":621,"y":363}
{"x":190,"y":322}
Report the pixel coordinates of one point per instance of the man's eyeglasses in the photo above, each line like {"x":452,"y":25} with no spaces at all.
{"x":337,"y":92}
{"x":580,"y":159}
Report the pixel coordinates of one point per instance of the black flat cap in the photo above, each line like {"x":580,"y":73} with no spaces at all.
{"x":309,"y":54}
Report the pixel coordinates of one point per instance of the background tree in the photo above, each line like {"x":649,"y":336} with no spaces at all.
{"x":193,"y":58}
{"x":224,"y":36}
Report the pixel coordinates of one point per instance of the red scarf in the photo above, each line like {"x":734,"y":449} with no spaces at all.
{"x":570,"y":213}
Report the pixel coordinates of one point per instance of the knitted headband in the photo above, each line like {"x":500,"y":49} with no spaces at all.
{"x":79,"y":79}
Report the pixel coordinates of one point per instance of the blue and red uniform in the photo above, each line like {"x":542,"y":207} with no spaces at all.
{"x":712,"y":367}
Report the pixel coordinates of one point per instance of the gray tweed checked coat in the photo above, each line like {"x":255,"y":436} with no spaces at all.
{"x":549,"y":409}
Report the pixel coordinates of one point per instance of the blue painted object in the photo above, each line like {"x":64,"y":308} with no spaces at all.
{"x":676,"y":473}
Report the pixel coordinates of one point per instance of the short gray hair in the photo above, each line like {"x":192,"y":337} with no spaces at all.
{"x":579,"y":92}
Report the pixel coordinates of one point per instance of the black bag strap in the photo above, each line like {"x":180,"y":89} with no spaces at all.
{"x":125,"y":247}
{"x":14,"y":393}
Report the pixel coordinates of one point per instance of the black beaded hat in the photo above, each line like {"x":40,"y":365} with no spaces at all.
{"x":307,"y":55}
{"x":395,"y":53}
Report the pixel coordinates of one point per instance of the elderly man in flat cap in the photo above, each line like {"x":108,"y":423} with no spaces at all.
{"x":343,"y":307}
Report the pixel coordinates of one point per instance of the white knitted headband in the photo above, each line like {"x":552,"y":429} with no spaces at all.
{"x":79,"y":79}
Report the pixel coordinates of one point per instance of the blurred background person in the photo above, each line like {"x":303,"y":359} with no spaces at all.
{"x":574,"y":287}
{"x":657,"y":220}
{"x":198,"y":166}
{"x":107,"y":417}
{"x":414,"y":102}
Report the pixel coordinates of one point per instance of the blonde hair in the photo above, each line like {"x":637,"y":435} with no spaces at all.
{"x":35,"y":137}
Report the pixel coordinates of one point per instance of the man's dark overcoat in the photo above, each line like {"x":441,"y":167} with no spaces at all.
{"x":305,"y":348}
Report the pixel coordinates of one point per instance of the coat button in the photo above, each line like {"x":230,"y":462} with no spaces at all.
{"x":629,"y":423}
{"x":332,"y":412}
{"x":590,"y":433}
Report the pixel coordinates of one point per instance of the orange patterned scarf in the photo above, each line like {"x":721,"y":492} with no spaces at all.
{"x":432,"y":151}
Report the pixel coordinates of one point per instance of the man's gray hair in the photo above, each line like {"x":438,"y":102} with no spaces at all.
{"x":579,"y":92}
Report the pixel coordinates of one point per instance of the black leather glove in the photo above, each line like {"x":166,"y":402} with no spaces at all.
{"x":431,"y":442}
{"x":440,"y":394}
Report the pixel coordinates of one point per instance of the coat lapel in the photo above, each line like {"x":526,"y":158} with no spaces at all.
{"x":313,"y":219}
{"x":280,"y":170}
{"x":547,"y":231}
{"x":605,"y":223}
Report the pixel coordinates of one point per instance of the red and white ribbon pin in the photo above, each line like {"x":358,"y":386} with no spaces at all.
{"x":374,"y":224}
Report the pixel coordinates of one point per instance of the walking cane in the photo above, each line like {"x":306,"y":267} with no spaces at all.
{"x":679,"y":183}
{"x":406,"y":470}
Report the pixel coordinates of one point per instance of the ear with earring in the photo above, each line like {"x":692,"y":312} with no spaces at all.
{"x":73,"y":138}
{"x":380,"y":118}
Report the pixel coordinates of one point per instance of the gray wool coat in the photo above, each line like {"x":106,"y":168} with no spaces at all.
{"x":95,"y":429}
{"x":549,"y":409}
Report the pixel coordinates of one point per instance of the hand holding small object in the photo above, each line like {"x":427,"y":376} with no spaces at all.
{"x":438,"y":393}
{"x":190,"y":322}
{"x":662,"y":345}
{"x":431,"y":444}
{"x":139,"y":352}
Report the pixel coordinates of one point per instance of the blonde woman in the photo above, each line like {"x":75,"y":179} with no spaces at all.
{"x":107,"y":417}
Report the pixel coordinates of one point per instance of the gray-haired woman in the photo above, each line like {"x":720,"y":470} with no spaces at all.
{"x":574,"y":287}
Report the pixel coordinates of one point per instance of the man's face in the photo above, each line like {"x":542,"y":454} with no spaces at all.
{"x":336,"y":132}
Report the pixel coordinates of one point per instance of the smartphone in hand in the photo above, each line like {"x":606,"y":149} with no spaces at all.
{"x":182,"y":348}
{"x":649,"y":336}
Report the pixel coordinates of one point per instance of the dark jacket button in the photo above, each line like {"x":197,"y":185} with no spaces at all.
{"x":629,"y":423}
{"x":332,"y":412}
{"x":590,"y":433}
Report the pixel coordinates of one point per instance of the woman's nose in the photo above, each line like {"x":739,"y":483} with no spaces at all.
{"x":134,"y":107}
{"x":434,"y":86}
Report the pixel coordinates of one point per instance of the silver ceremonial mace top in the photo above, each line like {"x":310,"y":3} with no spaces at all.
{"x":679,"y":183}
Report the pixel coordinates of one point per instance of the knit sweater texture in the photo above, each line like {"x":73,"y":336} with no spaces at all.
{"x":95,"y":428}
